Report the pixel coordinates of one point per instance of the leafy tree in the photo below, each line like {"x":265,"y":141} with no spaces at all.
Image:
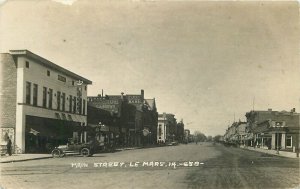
{"x":217,"y":138}
{"x":199,"y":137}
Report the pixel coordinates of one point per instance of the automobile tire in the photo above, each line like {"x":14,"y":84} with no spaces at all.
{"x":85,"y":152}
{"x":56,"y":153}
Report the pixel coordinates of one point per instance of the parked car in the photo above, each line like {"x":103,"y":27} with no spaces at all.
{"x":174,"y":143}
{"x":86,"y":149}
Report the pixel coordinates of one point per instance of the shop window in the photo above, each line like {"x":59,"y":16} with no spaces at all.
{"x":289,"y":141}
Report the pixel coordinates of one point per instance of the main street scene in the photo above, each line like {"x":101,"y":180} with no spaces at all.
{"x":149,"y":94}
{"x":219,"y":167}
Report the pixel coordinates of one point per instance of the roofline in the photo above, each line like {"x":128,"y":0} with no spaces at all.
{"x":48,"y":63}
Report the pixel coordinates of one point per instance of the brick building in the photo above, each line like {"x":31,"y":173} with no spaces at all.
{"x":42,"y":104}
{"x":135,"y":118}
{"x":274,"y":129}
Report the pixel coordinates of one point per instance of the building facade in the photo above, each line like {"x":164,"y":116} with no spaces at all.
{"x":166,"y":128}
{"x":277,"y":130}
{"x":42,"y":104}
{"x":135,"y":118}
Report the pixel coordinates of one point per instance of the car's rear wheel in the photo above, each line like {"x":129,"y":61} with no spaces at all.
{"x":85,"y":152}
{"x":56,"y":153}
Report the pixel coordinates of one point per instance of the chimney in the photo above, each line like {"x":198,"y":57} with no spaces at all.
{"x":270,"y":109}
{"x":142,"y":94}
{"x":293,"y":110}
{"x":122,"y":95}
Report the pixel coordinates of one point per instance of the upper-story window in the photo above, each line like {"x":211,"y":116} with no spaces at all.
{"x":48,"y":73}
{"x":35,"y":94}
{"x":50,"y":97}
{"x":62,"y":78}
{"x":79,"y":106}
{"x":70,"y":103}
{"x":27,"y":64}
{"x":58,"y":100}
{"x":83,"y":111}
{"x":74,"y":106}
{"x":28,"y":92}
{"x":73,"y":83}
{"x":63,"y":101}
{"x":85,"y":88}
{"x":44,"y":97}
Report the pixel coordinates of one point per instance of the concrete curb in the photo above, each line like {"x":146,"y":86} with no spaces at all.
{"x":28,"y":159}
{"x":281,"y":154}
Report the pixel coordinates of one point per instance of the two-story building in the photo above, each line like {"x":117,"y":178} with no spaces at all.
{"x":42,"y":104}
{"x":134,"y":117}
{"x":278,"y":130}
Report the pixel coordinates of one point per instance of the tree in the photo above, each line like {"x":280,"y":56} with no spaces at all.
{"x":217,"y":138}
{"x":199,"y":137}
{"x":209,"y":138}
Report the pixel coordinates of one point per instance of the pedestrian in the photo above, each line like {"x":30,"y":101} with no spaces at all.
{"x":8,"y":146}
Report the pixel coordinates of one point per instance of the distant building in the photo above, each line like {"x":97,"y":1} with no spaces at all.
{"x":180,"y":131}
{"x":274,"y":129}
{"x":133,"y":118}
{"x":166,"y":128}
{"x":42,"y":104}
{"x":236,"y":133}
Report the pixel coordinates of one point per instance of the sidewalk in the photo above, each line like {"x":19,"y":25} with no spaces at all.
{"x":23,"y":157}
{"x":27,"y":157}
{"x":272,"y":152}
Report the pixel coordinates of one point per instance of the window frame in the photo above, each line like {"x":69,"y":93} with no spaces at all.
{"x":35,"y":94}
{"x":289,"y":137}
{"x":28,"y":93}
{"x":45,"y":90}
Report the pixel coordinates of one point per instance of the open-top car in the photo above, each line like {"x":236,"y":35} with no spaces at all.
{"x":85,"y":149}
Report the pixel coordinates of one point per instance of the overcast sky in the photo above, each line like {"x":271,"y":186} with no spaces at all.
{"x":202,"y":61}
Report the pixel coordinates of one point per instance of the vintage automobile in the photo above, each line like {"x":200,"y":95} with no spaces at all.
{"x":85,"y":149}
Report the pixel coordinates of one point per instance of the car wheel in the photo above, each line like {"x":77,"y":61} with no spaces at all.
{"x":56,"y":153}
{"x":85,"y":152}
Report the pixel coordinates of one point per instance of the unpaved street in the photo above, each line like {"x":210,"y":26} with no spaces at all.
{"x":220,"y":167}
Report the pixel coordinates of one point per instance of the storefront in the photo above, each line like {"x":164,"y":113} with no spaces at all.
{"x":43,"y":134}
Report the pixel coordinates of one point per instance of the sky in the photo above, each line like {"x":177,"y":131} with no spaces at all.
{"x":208,"y":63}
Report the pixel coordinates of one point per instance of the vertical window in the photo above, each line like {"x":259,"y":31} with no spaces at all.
{"x":63,"y":101}
{"x":74,"y":107}
{"x":28,"y":92}
{"x":70,"y":103}
{"x":85,"y":88}
{"x":27,"y":64}
{"x":73,"y":83}
{"x":79,"y":105}
{"x":83,"y":111}
{"x":45,"y":97}
{"x":48,"y":73}
{"x":50,"y":97}
{"x":58,"y":100}
{"x":289,"y":141}
{"x":35,"y":94}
